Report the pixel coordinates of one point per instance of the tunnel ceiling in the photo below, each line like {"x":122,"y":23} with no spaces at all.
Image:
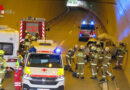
{"x":101,"y":1}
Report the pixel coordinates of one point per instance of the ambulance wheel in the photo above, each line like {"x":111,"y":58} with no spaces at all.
{"x":61,"y":88}
{"x":79,"y":39}
{"x":25,"y":87}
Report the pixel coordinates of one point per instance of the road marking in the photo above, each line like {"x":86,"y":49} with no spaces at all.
{"x":70,"y":32}
{"x":105,"y":87}
{"x":62,"y":42}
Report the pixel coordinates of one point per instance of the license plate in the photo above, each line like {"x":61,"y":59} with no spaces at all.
{"x":43,"y":89}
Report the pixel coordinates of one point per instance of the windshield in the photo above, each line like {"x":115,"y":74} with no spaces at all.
{"x":44,"y":60}
{"x":87,"y":27}
{"x":7,"y":47}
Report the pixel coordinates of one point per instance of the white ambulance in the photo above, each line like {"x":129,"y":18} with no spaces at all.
{"x":44,"y":68}
{"x":9,"y":42}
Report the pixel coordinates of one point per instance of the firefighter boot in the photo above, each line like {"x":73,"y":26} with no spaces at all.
{"x":102,"y":80}
{"x":113,"y":77}
{"x":82,"y":77}
{"x":93,"y":77}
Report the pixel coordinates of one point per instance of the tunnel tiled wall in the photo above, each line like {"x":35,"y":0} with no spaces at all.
{"x":123,"y":27}
{"x":115,"y":18}
{"x":15,"y":10}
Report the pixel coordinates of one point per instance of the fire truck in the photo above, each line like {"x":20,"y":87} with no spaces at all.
{"x":44,"y":67}
{"x":32,"y":26}
{"x":9,"y":42}
{"x":87,"y":30}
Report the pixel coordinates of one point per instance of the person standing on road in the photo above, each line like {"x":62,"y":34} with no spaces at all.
{"x":93,"y":62}
{"x":3,"y":66}
{"x":106,"y":64}
{"x":18,"y":71}
{"x":70,"y":57}
{"x":121,"y":50}
{"x":80,"y":62}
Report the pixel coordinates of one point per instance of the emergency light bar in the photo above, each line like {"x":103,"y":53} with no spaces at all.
{"x":57,"y":51}
{"x":92,"y":22}
{"x":84,"y":22}
{"x":47,"y":41}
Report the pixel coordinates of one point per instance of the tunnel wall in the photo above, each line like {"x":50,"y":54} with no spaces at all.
{"x":15,"y":10}
{"x":123,"y":28}
{"x":115,"y":17}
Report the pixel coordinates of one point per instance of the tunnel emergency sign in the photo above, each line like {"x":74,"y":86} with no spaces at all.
{"x":72,"y":3}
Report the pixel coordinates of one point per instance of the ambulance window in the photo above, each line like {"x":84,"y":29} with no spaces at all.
{"x":87,"y":27}
{"x":7,"y":47}
{"x":44,"y":60}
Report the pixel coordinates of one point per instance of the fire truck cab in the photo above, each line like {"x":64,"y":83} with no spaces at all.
{"x":33,"y":26}
{"x":44,"y":67}
{"x":9,"y":42}
{"x":87,"y":30}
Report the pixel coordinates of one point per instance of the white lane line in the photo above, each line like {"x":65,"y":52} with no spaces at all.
{"x":70,"y":32}
{"x":62,"y":42}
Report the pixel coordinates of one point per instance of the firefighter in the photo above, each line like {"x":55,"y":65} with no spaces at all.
{"x":70,"y":58}
{"x":94,"y":60}
{"x":106,"y":64}
{"x":18,"y":71}
{"x":99,"y":50}
{"x":80,"y":62}
{"x":3,"y":66}
{"x":121,"y":50}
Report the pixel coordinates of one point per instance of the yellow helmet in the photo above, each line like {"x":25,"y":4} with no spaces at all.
{"x":2,"y":52}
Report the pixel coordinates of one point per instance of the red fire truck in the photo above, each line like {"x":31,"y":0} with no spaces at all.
{"x":32,"y":26}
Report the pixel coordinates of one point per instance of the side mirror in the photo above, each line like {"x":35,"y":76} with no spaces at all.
{"x":96,"y":27}
{"x":79,"y":27}
{"x":48,"y":29}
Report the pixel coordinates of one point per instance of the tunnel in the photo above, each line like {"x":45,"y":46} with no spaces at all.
{"x":111,"y":16}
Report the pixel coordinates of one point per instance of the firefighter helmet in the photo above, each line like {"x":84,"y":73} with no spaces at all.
{"x":75,"y":46}
{"x":93,"y":48}
{"x":107,"y":49}
{"x":2,"y":52}
{"x":82,"y":47}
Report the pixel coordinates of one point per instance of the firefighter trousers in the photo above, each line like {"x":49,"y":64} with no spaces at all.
{"x":105,"y":72}
{"x":2,"y":75}
{"x":119,"y":61}
{"x":94,"y":70}
{"x":80,"y":70}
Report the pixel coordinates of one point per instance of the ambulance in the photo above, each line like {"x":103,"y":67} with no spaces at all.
{"x":9,"y":42}
{"x":44,"y":68}
{"x":87,"y":30}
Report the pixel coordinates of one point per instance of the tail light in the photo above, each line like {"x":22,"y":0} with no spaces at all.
{"x":12,"y":60}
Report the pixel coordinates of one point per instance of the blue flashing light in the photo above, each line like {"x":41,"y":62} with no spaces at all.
{"x":57,"y":51}
{"x":80,"y":35}
{"x":32,"y":50}
{"x":94,"y":36}
{"x":92,"y":22}
{"x":84,"y":22}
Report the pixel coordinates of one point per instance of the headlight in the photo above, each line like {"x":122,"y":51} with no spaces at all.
{"x":27,"y":77}
{"x":60,"y":78}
